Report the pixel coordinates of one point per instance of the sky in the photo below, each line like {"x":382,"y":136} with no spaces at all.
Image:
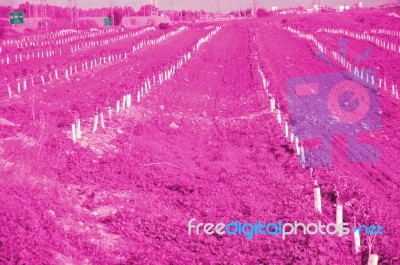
{"x":207,"y":5}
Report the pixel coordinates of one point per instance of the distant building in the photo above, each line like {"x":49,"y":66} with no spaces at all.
{"x":274,"y":8}
{"x":328,"y":9}
{"x":342,"y":8}
{"x":127,"y":22}
{"x":139,"y":21}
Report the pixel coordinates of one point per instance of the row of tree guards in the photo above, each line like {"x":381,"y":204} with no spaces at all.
{"x":127,"y":99}
{"x":28,"y":55}
{"x":64,"y":39}
{"x":385,"y":44}
{"x":47,"y":53}
{"x":67,"y":73}
{"x":109,"y":40}
{"x":50,"y":52}
{"x":388,"y":32}
{"x":362,"y":74}
{"x":55,"y":37}
{"x":291,"y":137}
{"x":159,"y":39}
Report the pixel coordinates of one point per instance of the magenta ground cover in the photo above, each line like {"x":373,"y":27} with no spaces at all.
{"x":155,"y":135}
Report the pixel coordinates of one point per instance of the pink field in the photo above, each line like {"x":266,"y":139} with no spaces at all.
{"x":184,"y":126}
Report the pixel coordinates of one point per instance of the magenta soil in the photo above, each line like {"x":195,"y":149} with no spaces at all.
{"x":178,"y":145}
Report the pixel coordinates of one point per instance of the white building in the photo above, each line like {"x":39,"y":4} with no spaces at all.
{"x":342,"y":8}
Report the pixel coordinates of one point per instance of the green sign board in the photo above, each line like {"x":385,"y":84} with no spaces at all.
{"x":107,"y":22}
{"x":16,"y":18}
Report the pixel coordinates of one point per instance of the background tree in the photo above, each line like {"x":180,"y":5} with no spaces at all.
{"x":5,"y":11}
{"x":147,"y":10}
{"x":261,"y":12}
{"x":118,"y":15}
